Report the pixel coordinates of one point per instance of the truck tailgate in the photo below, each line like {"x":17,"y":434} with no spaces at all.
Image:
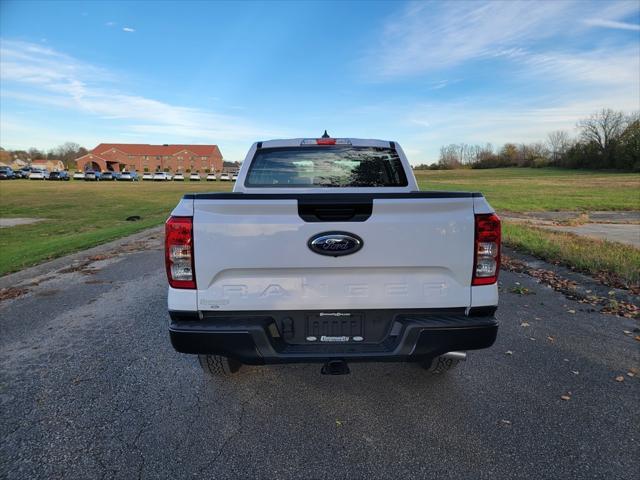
{"x":251,"y":253}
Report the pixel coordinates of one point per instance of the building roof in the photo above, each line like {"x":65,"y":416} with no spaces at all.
{"x":147,"y":149}
{"x":95,"y":155}
{"x":44,"y":161}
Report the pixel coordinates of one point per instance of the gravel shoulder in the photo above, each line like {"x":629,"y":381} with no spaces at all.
{"x":622,"y":227}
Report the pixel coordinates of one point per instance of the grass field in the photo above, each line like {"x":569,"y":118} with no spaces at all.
{"x":615,"y":263}
{"x":83,"y":214}
{"x":539,"y":189}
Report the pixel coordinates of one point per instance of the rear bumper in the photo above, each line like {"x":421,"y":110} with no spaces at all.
{"x":256,"y":338}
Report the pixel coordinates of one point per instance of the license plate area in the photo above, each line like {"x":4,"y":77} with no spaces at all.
{"x":335,"y":327}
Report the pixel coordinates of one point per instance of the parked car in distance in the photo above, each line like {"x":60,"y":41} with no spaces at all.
{"x":129,"y":177}
{"x":211,"y":177}
{"x":178,"y":177}
{"x":147,"y":176}
{"x":224,"y":177}
{"x":7,"y":173}
{"x":62,"y":175}
{"x":23,"y":172}
{"x":194,"y":177}
{"x":79,"y":175}
{"x":161,"y":177}
{"x":234,"y":177}
{"x":92,"y":176}
{"x":108,"y":175}
{"x":39,"y":174}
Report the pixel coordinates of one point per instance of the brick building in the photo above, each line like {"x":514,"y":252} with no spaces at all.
{"x":144,"y":157}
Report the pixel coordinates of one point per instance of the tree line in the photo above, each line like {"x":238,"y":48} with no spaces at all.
{"x":606,"y":140}
{"x":66,"y":152}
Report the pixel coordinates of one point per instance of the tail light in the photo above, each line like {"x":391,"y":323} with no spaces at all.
{"x":486,"y":261}
{"x":178,"y":252}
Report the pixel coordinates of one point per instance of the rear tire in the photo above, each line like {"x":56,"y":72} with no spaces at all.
{"x":440,"y":365}
{"x":219,"y":366}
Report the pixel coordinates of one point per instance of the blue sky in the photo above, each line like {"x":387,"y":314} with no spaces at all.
{"x":422,"y":73}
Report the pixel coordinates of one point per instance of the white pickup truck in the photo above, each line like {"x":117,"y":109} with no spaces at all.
{"x":326,"y":251}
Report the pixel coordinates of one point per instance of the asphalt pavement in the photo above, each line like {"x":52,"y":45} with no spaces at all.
{"x":90,"y":387}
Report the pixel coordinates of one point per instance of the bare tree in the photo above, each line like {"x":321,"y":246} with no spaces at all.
{"x":449,"y":156}
{"x":558,"y":143}
{"x":35,"y":153}
{"x":67,"y":152}
{"x":603,"y":129}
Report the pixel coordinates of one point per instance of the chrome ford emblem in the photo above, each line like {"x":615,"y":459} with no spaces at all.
{"x":335,"y":244}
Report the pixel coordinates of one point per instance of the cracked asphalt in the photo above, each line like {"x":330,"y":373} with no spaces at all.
{"x":91,"y":388}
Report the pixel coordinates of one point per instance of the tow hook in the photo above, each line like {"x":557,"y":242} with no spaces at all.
{"x":335,"y":367}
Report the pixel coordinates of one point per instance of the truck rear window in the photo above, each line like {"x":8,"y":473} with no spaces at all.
{"x":326,"y":167}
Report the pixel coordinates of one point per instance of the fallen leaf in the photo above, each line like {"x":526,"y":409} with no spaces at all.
{"x":508,"y":352}
{"x":506,"y":422}
{"x":637,"y":337}
{"x":524,"y":324}
{"x":565,"y":397}
{"x":571,"y":311}
{"x":551,"y":339}
{"x":575,"y":372}
{"x":532,"y":339}
{"x":633,"y":370}
{"x":619,"y":378}
{"x":631,"y":374}
{"x":338,"y":423}
{"x":627,"y":332}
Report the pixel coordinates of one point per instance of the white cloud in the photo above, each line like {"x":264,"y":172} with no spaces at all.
{"x":128,"y":29}
{"x":427,"y":37}
{"x":43,"y":77}
{"x":428,"y":126}
{"x":552,"y":82}
{"x":600,"y":22}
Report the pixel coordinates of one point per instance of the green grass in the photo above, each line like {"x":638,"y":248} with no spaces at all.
{"x":616,"y":263}
{"x":540,"y":189}
{"x":81,"y":214}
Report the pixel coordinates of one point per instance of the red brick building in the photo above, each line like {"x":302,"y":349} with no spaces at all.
{"x":144,"y":157}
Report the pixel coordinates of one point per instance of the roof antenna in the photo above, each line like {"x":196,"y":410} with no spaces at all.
{"x":325,"y":135}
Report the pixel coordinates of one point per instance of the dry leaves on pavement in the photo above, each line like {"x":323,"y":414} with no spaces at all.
{"x":568,"y":289}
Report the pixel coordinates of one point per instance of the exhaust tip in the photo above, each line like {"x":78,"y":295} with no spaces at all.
{"x":459,"y":356}
{"x":335,"y":367}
